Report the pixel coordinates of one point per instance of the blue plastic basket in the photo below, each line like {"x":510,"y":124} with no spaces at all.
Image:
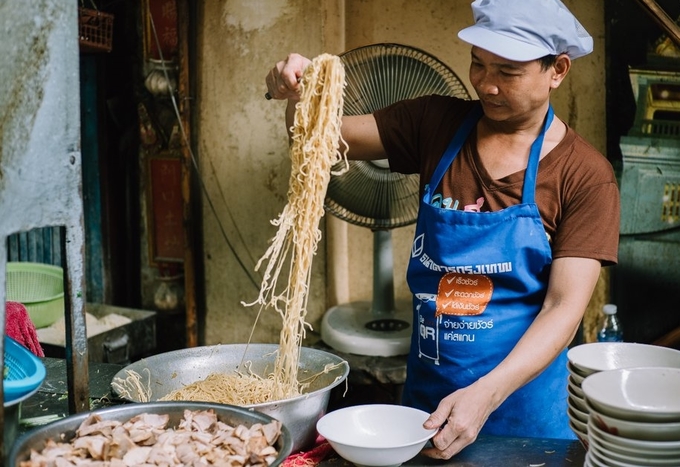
{"x":24,"y":372}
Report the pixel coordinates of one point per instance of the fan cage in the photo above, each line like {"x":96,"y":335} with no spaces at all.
{"x":376,"y":76}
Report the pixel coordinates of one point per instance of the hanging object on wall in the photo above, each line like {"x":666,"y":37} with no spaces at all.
{"x":147,"y":132}
{"x":169,"y":294}
{"x":95,"y":29}
{"x":161,"y":80}
{"x":166,"y":209}
{"x":163,"y":13}
{"x":159,"y":133}
{"x":154,"y":29}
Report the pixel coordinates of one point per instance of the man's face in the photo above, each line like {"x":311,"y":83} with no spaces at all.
{"x":509,"y":90}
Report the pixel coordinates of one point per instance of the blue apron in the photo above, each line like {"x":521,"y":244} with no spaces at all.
{"x":479,"y":280}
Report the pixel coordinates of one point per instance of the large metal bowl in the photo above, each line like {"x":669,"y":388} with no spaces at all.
{"x":65,"y":429}
{"x":166,"y":372}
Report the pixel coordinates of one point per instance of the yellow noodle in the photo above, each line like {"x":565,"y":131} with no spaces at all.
{"x":314,"y":151}
{"x":235,"y":389}
{"x":132,"y":386}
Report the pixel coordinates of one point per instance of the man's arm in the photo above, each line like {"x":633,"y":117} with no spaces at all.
{"x":572,"y":281}
{"x":359,"y":132}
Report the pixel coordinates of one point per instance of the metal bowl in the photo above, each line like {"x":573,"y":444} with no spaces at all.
{"x":65,"y":429}
{"x":173,"y":370}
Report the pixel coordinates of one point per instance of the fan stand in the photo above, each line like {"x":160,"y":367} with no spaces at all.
{"x":372,"y":329}
{"x":378,"y":75}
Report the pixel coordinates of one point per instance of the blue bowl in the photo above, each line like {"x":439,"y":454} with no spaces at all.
{"x":24,"y":372}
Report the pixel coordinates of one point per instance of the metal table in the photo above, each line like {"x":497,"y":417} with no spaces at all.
{"x":490,"y":451}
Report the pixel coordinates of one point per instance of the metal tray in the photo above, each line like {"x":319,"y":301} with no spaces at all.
{"x":65,"y":429}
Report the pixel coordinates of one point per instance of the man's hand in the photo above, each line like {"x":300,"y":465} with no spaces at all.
{"x":283,"y":81}
{"x":459,"y":416}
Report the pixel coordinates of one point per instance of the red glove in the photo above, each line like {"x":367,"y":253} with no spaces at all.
{"x":20,"y":327}
{"x":310,"y":458}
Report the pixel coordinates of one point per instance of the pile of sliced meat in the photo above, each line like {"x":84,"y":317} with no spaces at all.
{"x":145,"y":440}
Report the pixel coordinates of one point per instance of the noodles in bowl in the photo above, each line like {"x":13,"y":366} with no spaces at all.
{"x":153,"y":378}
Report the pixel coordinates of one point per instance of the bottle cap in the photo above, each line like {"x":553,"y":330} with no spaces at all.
{"x":609,"y":309}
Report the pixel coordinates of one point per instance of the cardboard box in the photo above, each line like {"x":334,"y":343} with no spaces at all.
{"x":122,"y":344}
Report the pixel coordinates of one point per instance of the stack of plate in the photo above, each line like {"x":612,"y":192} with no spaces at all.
{"x":588,"y":359}
{"x":634,"y":417}
{"x":576,"y":402}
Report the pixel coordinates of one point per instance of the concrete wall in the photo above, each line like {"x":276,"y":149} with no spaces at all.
{"x":243,"y":144}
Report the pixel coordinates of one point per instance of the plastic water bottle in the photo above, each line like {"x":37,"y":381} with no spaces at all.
{"x":611,"y":330}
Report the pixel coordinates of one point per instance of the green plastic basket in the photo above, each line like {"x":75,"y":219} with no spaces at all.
{"x":40,"y":288}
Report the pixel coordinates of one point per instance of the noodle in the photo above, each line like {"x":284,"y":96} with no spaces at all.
{"x":315,"y":141}
{"x":132,"y":385}
{"x":314,"y":151}
{"x":222,"y":388}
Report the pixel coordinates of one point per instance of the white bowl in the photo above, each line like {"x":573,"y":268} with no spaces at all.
{"x":579,"y":424}
{"x":637,"y":394}
{"x":636,"y":459}
{"x":601,"y":459}
{"x":376,"y":434}
{"x":588,"y":461}
{"x":581,"y":435}
{"x":575,"y":389}
{"x":577,"y":403}
{"x":597,"y":436}
{"x":600,"y":356}
{"x":574,"y":400}
{"x":578,"y":414}
{"x":659,"y":431}
{"x":658,"y":448}
{"x":575,"y":376}
{"x":577,"y":380}
{"x":574,"y":370}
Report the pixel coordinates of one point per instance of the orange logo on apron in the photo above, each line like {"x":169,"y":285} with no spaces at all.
{"x":463,"y":294}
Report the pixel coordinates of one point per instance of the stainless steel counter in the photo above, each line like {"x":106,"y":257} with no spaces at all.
{"x":491,"y":451}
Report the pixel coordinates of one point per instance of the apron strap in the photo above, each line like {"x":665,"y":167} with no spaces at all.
{"x":453,"y":148}
{"x":531,"y":173}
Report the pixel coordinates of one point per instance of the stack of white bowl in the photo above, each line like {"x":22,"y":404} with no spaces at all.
{"x":634,"y":417}
{"x":576,"y":402}
{"x":589,"y":359}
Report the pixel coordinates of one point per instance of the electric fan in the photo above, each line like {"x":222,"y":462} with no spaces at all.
{"x":369,"y":195}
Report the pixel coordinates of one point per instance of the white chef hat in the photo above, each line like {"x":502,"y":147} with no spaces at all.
{"x":524,"y":30}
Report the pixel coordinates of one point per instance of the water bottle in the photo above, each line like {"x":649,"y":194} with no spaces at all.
{"x":611,"y":330}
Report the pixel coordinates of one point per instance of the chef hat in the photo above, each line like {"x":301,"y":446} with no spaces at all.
{"x":525,"y":30}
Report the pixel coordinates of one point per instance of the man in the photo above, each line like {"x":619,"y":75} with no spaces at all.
{"x":518,"y":214}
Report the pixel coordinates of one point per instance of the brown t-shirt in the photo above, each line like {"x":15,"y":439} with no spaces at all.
{"x":576,"y":193}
